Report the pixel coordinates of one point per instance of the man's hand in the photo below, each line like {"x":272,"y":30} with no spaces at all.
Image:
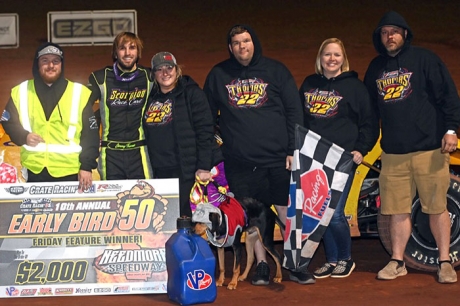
{"x":357,"y":157}
{"x":289,"y":159}
{"x":85,"y":179}
{"x":449,"y":143}
{"x":33,"y":139}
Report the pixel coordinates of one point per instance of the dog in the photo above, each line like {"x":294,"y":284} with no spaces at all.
{"x":224,"y":225}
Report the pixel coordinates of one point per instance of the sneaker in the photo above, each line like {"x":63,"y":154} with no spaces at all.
{"x":446,"y":273}
{"x":392,"y":270}
{"x":262,"y":276}
{"x":324,"y":271}
{"x":343,"y":268}
{"x":302,"y":277}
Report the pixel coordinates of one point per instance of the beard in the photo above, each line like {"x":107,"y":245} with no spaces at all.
{"x":49,"y":79}
{"x":126,"y":68}
{"x":394,"y":49}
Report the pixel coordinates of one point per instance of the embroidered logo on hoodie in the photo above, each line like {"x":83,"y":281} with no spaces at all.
{"x":248,"y":93}
{"x":322,"y":103}
{"x":395,"y":85}
{"x":158,"y":113}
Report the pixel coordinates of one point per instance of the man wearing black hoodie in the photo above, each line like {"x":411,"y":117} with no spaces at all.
{"x":259,"y":107}
{"x":419,"y":110}
{"x":51,"y":119}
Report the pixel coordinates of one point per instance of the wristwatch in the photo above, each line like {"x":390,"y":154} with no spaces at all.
{"x":451,"y":132}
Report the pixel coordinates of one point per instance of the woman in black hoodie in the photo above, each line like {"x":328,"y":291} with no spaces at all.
{"x":337,"y":107}
{"x":179,"y":128}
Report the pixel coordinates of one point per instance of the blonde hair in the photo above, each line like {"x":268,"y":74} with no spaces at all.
{"x":345,"y":64}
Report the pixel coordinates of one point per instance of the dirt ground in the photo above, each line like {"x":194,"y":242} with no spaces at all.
{"x":290,"y":31}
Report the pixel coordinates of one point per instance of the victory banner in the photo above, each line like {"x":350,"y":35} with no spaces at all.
{"x":110,"y":239}
{"x":319,"y":174}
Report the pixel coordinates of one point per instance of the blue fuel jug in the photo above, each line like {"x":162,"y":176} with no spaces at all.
{"x":191,"y":266}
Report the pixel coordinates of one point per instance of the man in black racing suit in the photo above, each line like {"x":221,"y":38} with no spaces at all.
{"x":122,"y":91}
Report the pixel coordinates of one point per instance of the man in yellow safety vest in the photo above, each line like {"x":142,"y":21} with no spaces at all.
{"x":50,"y":117}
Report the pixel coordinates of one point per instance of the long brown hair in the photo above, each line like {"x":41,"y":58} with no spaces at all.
{"x":123,"y":38}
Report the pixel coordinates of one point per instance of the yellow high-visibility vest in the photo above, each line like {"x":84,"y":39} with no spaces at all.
{"x":61,"y":149}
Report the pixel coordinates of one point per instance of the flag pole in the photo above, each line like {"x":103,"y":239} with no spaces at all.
{"x":370,"y":166}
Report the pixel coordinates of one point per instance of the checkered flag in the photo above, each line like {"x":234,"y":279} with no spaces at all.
{"x":319,"y":174}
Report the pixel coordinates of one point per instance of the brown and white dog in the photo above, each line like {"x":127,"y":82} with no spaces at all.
{"x":224,"y":226}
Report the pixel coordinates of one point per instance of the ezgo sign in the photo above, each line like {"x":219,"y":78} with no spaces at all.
{"x":9,"y":30}
{"x":89,"y":27}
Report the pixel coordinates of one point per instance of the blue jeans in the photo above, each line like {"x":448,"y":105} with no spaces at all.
{"x":337,"y":238}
